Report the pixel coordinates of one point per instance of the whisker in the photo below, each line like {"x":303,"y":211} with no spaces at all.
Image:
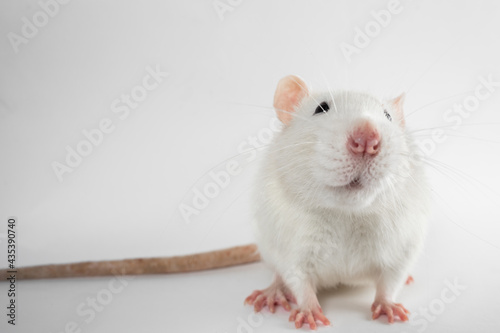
{"x":437,"y":101}
{"x":324,"y":79}
{"x":435,"y":62}
{"x":452,"y":177}
{"x":453,"y":174}
{"x":461,"y":227}
{"x":293,"y":113}
{"x":461,"y":173}
{"x":446,"y":126}
{"x":463,"y":137}
{"x":330,"y":91}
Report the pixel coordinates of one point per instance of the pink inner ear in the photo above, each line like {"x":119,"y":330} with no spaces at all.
{"x":289,"y":92}
{"x":397,"y":105}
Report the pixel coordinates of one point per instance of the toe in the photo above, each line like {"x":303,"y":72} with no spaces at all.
{"x":376,"y":310}
{"x":403,"y":308}
{"x":401,"y":312}
{"x":321,"y":317}
{"x":311,"y":321}
{"x":299,"y":320}
{"x":250,"y":299}
{"x":293,"y":315}
{"x":259,"y":303}
{"x":270,"y":304}
{"x":390,"y":314}
{"x":284,"y":303}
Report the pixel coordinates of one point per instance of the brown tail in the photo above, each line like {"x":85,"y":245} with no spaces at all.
{"x":216,"y":259}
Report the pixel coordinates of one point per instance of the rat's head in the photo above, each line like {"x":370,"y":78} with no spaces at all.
{"x":341,"y":150}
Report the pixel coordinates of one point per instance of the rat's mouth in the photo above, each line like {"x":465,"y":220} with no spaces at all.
{"x":355,"y":183}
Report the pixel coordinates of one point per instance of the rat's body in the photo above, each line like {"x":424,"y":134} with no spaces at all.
{"x":338,"y":201}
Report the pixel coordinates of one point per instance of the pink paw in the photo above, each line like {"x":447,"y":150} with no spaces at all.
{"x":390,"y":309}
{"x":271,"y":297}
{"x":409,"y":280}
{"x":309,"y":317}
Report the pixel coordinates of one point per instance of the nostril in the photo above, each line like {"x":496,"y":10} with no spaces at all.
{"x":372,"y":147}
{"x":356,"y":146}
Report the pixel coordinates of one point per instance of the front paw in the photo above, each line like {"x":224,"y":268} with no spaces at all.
{"x":390,"y":309}
{"x":309,"y":317}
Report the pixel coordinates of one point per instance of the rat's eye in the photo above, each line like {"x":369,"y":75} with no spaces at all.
{"x":387,"y":115}
{"x":322,"y":108}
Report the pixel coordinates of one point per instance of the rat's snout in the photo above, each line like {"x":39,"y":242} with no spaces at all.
{"x":364,"y":139}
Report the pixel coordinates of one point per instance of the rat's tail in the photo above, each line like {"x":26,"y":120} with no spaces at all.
{"x":196,"y":262}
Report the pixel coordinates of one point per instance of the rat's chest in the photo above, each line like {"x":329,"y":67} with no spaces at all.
{"x":351,"y":249}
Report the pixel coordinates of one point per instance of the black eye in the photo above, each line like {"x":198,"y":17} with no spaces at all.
{"x":323,"y":107}
{"x":387,"y":115}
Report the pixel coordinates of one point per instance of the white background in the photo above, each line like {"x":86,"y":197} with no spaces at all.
{"x":122,"y":201}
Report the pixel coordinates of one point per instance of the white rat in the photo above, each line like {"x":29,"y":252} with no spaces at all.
{"x":339,"y":200}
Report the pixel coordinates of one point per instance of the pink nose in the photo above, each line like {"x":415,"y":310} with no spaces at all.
{"x":364,"y":139}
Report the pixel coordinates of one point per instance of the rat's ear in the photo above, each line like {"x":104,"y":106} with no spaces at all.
{"x":289,"y":92}
{"x":396,"y":104}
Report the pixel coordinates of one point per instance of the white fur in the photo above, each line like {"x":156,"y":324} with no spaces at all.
{"x":315,"y":231}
